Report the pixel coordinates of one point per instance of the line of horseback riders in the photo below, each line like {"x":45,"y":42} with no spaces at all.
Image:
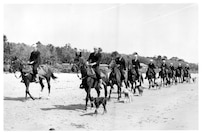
{"x":168,"y":74}
{"x":94,"y":76}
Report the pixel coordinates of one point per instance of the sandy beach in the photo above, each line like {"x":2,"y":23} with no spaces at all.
{"x":170,"y":108}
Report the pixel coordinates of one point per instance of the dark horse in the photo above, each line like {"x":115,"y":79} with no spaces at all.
{"x":171,"y":75}
{"x":179,"y":75}
{"x":163,"y":74}
{"x":89,"y":79}
{"x":186,"y":75}
{"x":151,"y":77}
{"x":115,"y":78}
{"x":133,"y":78}
{"x":26,"y":73}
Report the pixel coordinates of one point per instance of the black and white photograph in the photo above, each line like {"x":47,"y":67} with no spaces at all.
{"x":100,"y":66}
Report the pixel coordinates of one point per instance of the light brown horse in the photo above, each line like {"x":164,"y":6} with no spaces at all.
{"x":89,"y":79}
{"x":26,"y":73}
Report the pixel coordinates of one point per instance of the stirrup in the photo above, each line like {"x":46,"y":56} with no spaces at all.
{"x":37,"y":81}
{"x":81,"y":86}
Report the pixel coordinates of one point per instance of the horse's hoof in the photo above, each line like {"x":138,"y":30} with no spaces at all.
{"x":51,"y":129}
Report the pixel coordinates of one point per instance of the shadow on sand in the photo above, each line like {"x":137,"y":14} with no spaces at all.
{"x":22,"y":99}
{"x":68,"y":107}
{"x":89,"y":114}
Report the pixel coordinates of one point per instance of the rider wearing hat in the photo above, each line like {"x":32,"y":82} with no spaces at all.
{"x":180,"y":67}
{"x":187,"y":68}
{"x":172,"y":66}
{"x":136,"y":63}
{"x":35,"y":61}
{"x":151,"y":68}
{"x":121,"y":65}
{"x":94,"y":60}
{"x":163,"y":65}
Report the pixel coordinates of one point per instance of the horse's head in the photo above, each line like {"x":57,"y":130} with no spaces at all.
{"x":112,"y":64}
{"x":20,"y":65}
{"x":79,"y":63}
{"x":16,"y":64}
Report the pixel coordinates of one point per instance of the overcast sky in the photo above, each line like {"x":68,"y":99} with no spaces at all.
{"x":149,"y":29}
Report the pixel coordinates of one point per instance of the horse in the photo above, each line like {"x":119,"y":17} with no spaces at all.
{"x":88,"y":78}
{"x":171,"y":75}
{"x":163,"y":74}
{"x":186,"y":76}
{"x":179,"y":75}
{"x":44,"y":72}
{"x":151,"y":77}
{"x":133,"y":78}
{"x":115,"y":78}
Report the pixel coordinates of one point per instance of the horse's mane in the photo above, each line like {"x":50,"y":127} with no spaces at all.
{"x":112,"y":63}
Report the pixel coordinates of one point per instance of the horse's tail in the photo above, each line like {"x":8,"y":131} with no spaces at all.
{"x":53,"y":76}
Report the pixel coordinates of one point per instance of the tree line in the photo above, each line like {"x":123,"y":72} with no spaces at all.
{"x":53,"y":55}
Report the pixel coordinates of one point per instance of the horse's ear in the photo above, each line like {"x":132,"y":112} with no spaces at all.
{"x":14,"y":58}
{"x":80,"y":54}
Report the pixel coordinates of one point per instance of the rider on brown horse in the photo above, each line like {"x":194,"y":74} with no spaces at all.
{"x":172,"y":67}
{"x":121,"y":65}
{"x":94,"y":60}
{"x":35,"y":61}
{"x":180,"y":67}
{"x":164,"y":65}
{"x":136,"y":64}
{"x":151,"y":68}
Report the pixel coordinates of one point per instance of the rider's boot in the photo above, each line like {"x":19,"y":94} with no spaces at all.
{"x":36,"y":78}
{"x":100,"y":83}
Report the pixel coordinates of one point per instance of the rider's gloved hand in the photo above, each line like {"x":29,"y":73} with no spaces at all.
{"x":30,"y":63}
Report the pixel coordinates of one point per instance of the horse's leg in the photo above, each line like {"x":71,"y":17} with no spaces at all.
{"x":98,"y":91}
{"x":48,"y":84}
{"x":135,"y":87}
{"x":154,"y":82}
{"x":126,"y":83}
{"x":176,"y":80}
{"x":42,"y":86}
{"x":27,"y":83}
{"x":105,"y":91}
{"x":132,"y":86}
{"x":149,"y":83}
{"x":119,"y":91}
{"x":110,"y":91}
{"x":87,"y":96}
{"x":163,"y":81}
{"x":27,"y":86}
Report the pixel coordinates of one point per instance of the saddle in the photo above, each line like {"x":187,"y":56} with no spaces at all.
{"x":27,"y":69}
{"x":91,"y":72}
{"x":42,"y":70}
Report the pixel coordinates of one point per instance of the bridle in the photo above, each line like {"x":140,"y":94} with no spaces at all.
{"x":77,"y":70}
{"x":14,"y":70}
